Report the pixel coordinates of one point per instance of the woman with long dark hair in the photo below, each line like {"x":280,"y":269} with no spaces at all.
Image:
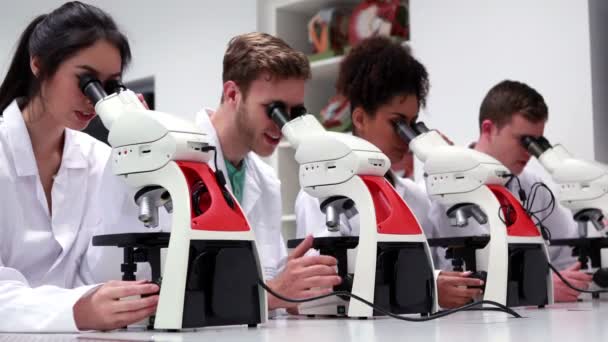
{"x":50,"y":176}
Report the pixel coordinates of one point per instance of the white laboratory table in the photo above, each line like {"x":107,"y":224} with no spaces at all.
{"x":584,"y":321}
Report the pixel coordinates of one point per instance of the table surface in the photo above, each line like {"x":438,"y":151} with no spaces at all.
{"x":583,"y":321}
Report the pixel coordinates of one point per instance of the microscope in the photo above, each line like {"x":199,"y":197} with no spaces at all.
{"x":583,"y":188}
{"x":389,"y":263}
{"x":471,"y":185}
{"x":211,"y":271}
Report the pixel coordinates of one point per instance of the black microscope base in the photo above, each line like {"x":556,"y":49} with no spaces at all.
{"x":528,"y":267}
{"x":222,"y":277}
{"x":404,"y":279}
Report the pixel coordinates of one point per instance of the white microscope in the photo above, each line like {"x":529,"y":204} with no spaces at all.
{"x":471,"y":184}
{"x":583,"y":188}
{"x":212,"y":267}
{"x":392,"y":265}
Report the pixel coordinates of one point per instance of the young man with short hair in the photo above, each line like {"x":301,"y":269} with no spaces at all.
{"x":259,"y":69}
{"x":509,"y":111}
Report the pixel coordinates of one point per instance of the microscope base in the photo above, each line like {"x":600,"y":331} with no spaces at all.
{"x":221,"y":282}
{"x":404,"y":279}
{"x":527,"y":267}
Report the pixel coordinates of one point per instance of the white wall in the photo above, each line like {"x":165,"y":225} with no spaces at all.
{"x":470,"y":45}
{"x":181,"y":43}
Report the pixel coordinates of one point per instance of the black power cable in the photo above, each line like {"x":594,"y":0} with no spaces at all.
{"x":219,"y":176}
{"x":214,"y":149}
{"x":471,"y":306}
{"x":521,"y":192}
{"x":528,"y":203}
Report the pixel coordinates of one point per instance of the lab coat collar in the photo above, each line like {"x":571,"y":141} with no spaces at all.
{"x":20,"y":145}
{"x":74,"y":154}
{"x":252,"y":191}
{"x":19,"y":142}
{"x":203,"y":121}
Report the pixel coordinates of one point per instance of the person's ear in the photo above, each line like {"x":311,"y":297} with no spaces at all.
{"x":35,"y":66}
{"x":359,"y":118}
{"x":231,"y":93}
{"x":488,"y":128}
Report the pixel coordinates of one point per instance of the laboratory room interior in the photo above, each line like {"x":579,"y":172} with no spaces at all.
{"x":303,"y":169}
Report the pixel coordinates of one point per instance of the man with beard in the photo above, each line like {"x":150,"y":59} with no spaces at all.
{"x":259,"y":69}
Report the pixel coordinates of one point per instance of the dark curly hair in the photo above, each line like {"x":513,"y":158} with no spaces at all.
{"x":509,"y":98}
{"x":379,"y":69}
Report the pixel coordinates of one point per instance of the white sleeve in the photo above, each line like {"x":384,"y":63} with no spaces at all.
{"x":440,"y":227}
{"x":40,"y":309}
{"x":560,"y":222}
{"x":420,"y":205}
{"x":282,"y":249}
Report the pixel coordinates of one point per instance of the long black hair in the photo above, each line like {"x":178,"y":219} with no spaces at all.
{"x":54,"y":38}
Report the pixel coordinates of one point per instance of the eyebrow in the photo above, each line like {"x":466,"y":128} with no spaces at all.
{"x":405,"y":116}
{"x":265,"y":103}
{"x":95,"y":72}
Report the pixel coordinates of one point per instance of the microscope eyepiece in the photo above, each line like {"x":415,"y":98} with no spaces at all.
{"x":405,"y":131}
{"x":92,"y":88}
{"x":420,"y":127}
{"x":544,"y":142}
{"x":536,"y":146}
{"x":114,"y":86}
{"x":526,"y":140}
{"x":84,"y":80}
{"x":277,"y":112}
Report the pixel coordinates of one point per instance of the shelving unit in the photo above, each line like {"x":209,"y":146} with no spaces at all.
{"x":288,"y":20}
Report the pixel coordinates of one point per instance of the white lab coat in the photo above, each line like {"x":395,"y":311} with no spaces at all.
{"x":42,"y":268}
{"x":311,"y":221}
{"x":261,"y":201}
{"x":560,"y":222}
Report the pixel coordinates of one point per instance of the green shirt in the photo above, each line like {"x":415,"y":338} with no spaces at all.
{"x":237,"y":179}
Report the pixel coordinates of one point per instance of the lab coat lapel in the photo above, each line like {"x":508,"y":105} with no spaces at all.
{"x":19,"y":141}
{"x":20,"y":147}
{"x":252,"y":191}
{"x":69,"y":199}
{"x":204,"y":122}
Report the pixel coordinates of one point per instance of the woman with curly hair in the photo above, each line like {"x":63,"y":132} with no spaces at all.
{"x":385,"y":83}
